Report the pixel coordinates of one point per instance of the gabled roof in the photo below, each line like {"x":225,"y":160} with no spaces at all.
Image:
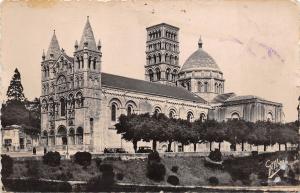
{"x":53,"y":48}
{"x":141,"y":86}
{"x":88,"y":37}
{"x":221,"y":98}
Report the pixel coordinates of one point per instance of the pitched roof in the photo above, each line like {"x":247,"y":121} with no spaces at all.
{"x":244,"y":97}
{"x":141,"y":86}
{"x":221,"y":98}
{"x":88,"y":37}
{"x":249,"y":97}
{"x":53,"y":48}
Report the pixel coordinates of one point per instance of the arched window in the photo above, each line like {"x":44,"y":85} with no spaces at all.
{"x":79,"y":99}
{"x":129,"y":110}
{"x":235,"y":116}
{"x":150,"y":72}
{"x":157,"y":110}
{"x":71,"y":136}
{"x":172,"y":114}
{"x":94,"y":63}
{"x":202,"y":117}
{"x":174,"y":74}
{"x":78,"y":62}
{"x":190,"y":117}
{"x":89,"y":62}
{"x":220,"y":88}
{"x":62,"y":134}
{"x":52,"y":137}
{"x":158,"y":75}
{"x":91,"y":125}
{"x":269,"y":117}
{"x":168,"y":74}
{"x":188,"y":84}
{"x":206,"y":87}
{"x":216,"y":88}
{"x":82,"y":63}
{"x":159,"y":57}
{"x":79,"y":136}
{"x":113,"y":111}
{"x":154,"y":59}
{"x":166,"y":57}
{"x":62,"y":107}
{"x":200,"y":87}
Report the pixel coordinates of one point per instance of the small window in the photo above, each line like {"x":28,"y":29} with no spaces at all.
{"x":113,"y":112}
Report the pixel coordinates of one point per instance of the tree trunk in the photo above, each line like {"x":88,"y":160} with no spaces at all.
{"x":279,"y":148}
{"x":195,"y":147}
{"x":285,"y":145}
{"x":210,"y":144}
{"x":265,"y":148}
{"x":242,"y":145}
{"x":220,"y":146}
{"x":135,"y":146}
{"x":169,"y":146}
{"x":154,"y":145}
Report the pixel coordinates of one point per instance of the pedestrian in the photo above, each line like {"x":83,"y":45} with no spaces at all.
{"x":45,"y":150}
{"x":34,"y":151}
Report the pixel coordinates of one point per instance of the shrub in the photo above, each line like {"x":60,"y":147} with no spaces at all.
{"x":83,"y":158}
{"x":33,"y":169}
{"x":173,"y":180}
{"x":153,"y":157}
{"x":106,"y":168}
{"x":120,"y":176}
{"x":98,"y":161}
{"x":156,"y":171}
{"x":52,"y":158}
{"x":174,"y":169}
{"x":213,"y":181}
{"x":7,"y":165}
{"x":215,"y":155}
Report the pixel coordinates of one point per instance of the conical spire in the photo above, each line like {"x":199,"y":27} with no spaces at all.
{"x":87,"y":38}
{"x":54,"y":49}
{"x":200,"y":43}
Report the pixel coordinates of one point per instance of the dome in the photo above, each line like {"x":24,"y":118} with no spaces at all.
{"x":199,"y":60}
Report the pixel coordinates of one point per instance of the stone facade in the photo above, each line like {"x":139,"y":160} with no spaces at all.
{"x":81,"y":104}
{"x":15,"y":139}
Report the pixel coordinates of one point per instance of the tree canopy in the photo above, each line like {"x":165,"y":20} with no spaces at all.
{"x":15,"y":88}
{"x":159,"y":128}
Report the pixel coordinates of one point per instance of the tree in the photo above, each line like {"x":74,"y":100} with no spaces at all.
{"x":132,"y":127}
{"x":34,"y":108}
{"x":15,"y":89}
{"x":14,"y":113}
{"x":237,"y":132}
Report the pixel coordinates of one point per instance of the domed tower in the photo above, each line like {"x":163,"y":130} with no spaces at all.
{"x":201,"y":75}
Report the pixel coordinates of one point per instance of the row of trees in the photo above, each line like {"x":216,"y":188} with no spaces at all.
{"x":159,"y":128}
{"x":17,"y":110}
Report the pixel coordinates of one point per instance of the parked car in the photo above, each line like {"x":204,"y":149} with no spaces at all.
{"x":114,"y":150}
{"x":144,"y":149}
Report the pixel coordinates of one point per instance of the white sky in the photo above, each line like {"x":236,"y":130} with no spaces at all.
{"x":255,"y":43}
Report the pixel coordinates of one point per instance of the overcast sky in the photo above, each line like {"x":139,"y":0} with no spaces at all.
{"x":253,"y":42}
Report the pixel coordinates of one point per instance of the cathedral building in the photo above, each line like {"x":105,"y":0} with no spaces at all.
{"x":81,"y":104}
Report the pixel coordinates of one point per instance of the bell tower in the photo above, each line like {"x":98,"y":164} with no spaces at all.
{"x":162,"y":54}
{"x":87,"y":85}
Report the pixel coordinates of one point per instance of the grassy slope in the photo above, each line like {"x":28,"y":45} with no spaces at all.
{"x":191,"y":171}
